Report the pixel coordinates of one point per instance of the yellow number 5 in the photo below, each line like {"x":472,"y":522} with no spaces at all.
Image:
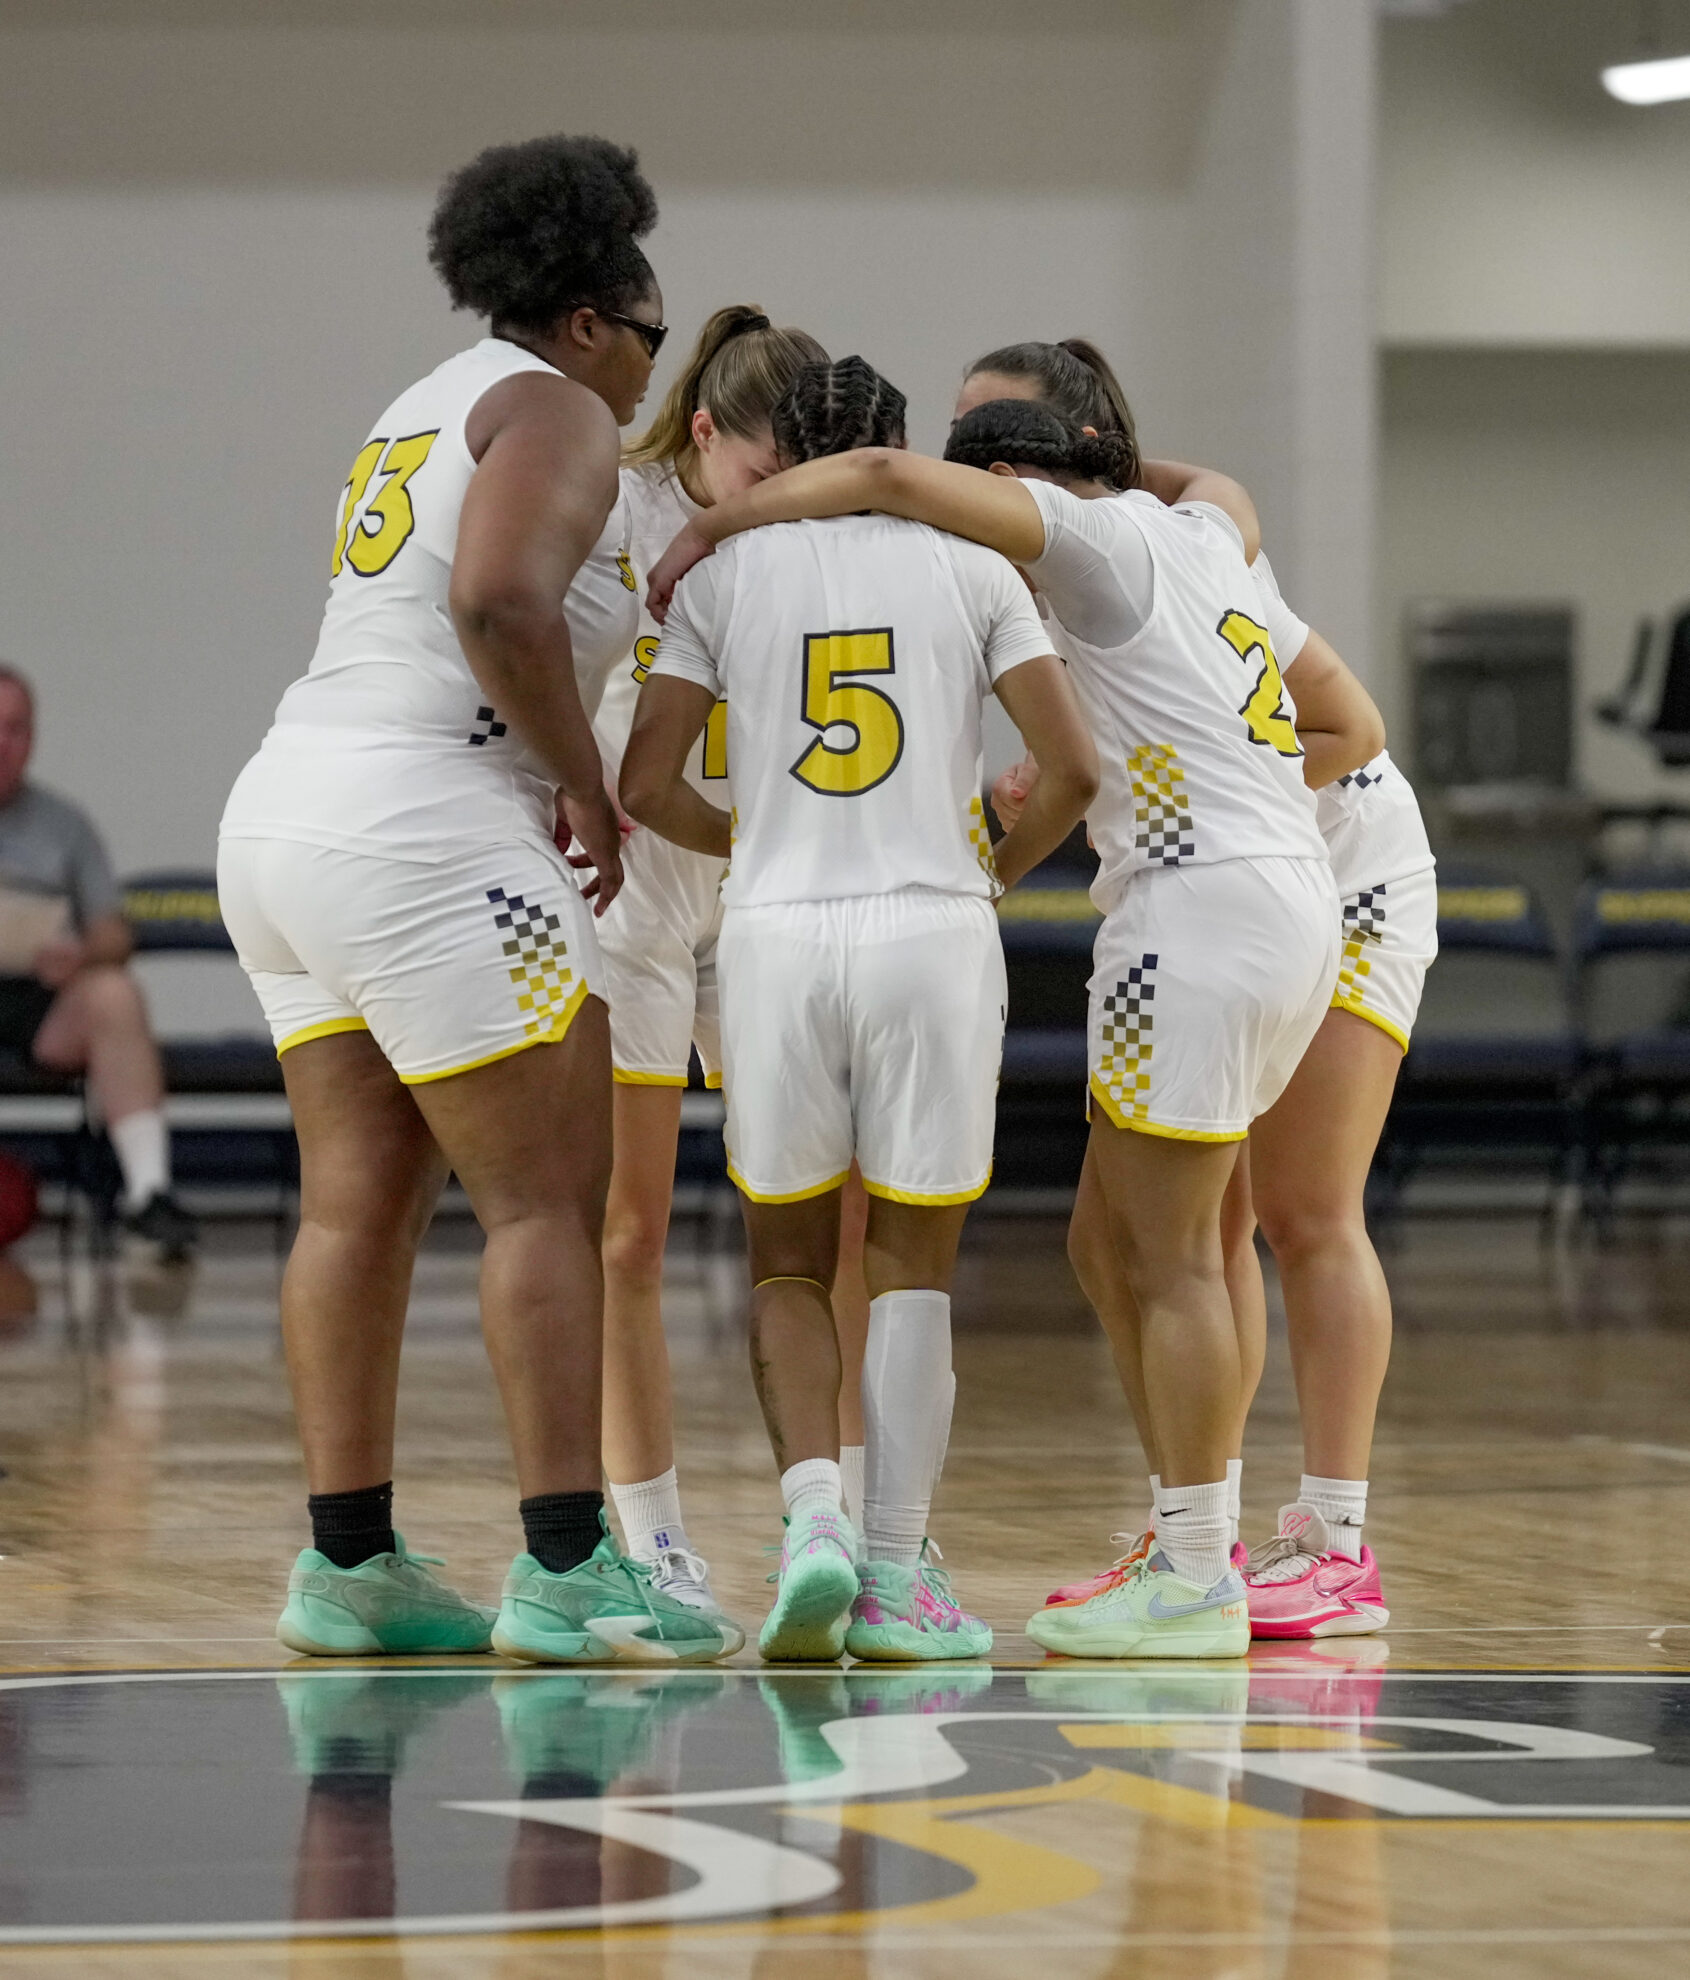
{"x":877,"y":729}
{"x":1264,"y":707}
{"x":385,"y":527}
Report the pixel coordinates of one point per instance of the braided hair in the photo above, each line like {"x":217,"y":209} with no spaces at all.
{"x":1078,"y":382}
{"x":1025,"y":433}
{"x":524,"y":233}
{"x":833,"y":408}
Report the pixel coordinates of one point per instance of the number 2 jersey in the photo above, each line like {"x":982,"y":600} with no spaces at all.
{"x":855,"y":655}
{"x":1160,"y":621}
{"x":388,"y":744}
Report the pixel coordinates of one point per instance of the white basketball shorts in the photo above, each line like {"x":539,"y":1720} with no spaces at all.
{"x":658,"y":940}
{"x":1390,"y":940}
{"x":448,"y":964}
{"x":1208,"y":983}
{"x":869,"y":1027}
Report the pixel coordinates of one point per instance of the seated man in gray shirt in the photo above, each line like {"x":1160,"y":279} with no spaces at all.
{"x":76,"y":1008}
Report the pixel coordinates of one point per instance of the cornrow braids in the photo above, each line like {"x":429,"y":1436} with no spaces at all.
{"x":1025,"y":433}
{"x":739,"y":369}
{"x":1078,"y":382}
{"x":834,"y":408}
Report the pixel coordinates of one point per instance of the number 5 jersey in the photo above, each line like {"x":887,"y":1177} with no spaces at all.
{"x":388,"y":744}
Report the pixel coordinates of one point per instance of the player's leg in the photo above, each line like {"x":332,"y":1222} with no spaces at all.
{"x":850,"y":1319}
{"x":1313,"y":1151}
{"x":1249,"y":1313}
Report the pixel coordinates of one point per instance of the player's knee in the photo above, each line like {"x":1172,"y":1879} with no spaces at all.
{"x":108,"y":998}
{"x":634,"y":1241}
{"x":1303,"y":1230}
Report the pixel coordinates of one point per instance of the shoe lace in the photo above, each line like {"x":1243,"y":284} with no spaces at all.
{"x":1282,"y":1559}
{"x":678,"y":1562}
{"x":936,"y":1578}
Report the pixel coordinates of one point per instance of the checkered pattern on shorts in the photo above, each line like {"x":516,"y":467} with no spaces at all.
{"x":980,"y":838}
{"x":1123,"y":1068}
{"x":1362,"y":779}
{"x":1161,"y":808}
{"x":490,"y":727}
{"x":1364,"y":922}
{"x":545,"y":982}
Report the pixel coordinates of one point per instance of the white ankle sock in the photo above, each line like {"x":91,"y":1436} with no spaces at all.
{"x":650,"y":1513}
{"x":1234,"y":1499}
{"x":142,"y":1142}
{"x":907,"y":1394}
{"x":812,"y":1485}
{"x":1191,"y":1530}
{"x":851,"y":1471}
{"x":1342,"y":1503}
{"x":1155,"y":1500}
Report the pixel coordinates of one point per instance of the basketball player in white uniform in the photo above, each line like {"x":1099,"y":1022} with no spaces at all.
{"x":862,"y":975}
{"x":1219,"y":946}
{"x":388,"y":872}
{"x":710,"y":438}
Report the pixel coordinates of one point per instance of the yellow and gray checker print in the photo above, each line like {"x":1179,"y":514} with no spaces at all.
{"x":1390,"y":940}
{"x":980,"y":842}
{"x":1127,"y":1042}
{"x":538,"y":951}
{"x":1161,"y":805}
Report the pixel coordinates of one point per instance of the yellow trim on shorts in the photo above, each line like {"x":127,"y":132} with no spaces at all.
{"x":553,"y":1035}
{"x":713,"y":1081}
{"x":1394,"y":1031}
{"x":330,"y":1030}
{"x":1127,"y":1122}
{"x":646,"y":1079}
{"x":891,"y":1195}
{"x":791,"y":1196}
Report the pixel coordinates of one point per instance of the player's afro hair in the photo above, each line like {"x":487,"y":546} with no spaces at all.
{"x":1023,"y":433}
{"x":527,"y":231}
{"x":833,"y":408}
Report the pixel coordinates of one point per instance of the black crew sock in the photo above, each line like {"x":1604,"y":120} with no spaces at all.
{"x":562,"y":1528}
{"x":350,"y":1528}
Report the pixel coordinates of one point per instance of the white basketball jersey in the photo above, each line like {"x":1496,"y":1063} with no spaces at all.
{"x":1370,"y":818}
{"x":388,"y":744}
{"x":1195,"y":732}
{"x":855,"y":655}
{"x":658,"y":509}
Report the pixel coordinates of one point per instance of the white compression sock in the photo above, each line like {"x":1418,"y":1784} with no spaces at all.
{"x":1342,"y":1503}
{"x":1191,"y":1530}
{"x":907,"y":1392}
{"x":650,"y":1513}
{"x":851,"y":1471}
{"x":1155,"y":1500}
{"x":142,"y":1142}
{"x":1234,"y":1498}
{"x":812,"y":1485}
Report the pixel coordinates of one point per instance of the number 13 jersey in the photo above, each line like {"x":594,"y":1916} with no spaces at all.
{"x":855,"y":655}
{"x":1159,"y":619}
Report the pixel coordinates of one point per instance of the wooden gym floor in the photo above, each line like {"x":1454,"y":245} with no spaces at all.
{"x":1499,"y":1786}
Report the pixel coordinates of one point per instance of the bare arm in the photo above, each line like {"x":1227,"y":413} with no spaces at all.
{"x":993,"y":509}
{"x":669,"y":717}
{"x":1173,"y":482}
{"x":1337,"y":724}
{"x":1040,"y":702}
{"x":106,"y":940}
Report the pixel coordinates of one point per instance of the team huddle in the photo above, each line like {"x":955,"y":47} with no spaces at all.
{"x":607,"y":757}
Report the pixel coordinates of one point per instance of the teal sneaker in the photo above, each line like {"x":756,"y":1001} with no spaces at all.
{"x":816,"y":1585}
{"x":800,"y":1705}
{"x":905,"y":1615}
{"x":360,"y":1722}
{"x":605,"y":1611}
{"x":1150,"y":1612}
{"x":591,"y":1728}
{"x":387,"y":1606}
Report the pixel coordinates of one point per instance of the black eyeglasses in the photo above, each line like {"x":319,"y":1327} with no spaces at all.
{"x":649,"y":334}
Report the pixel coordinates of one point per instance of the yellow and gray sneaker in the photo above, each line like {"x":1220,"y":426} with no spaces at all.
{"x":387,"y":1606}
{"x":1150,"y":1612}
{"x":606,"y":1611}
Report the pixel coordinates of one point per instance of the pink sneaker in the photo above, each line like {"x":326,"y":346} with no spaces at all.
{"x":1083,"y":1591}
{"x":1299,"y":1587}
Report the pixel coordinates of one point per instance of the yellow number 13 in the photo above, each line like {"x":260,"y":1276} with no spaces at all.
{"x":1264,"y":707}
{"x":876,"y":728}
{"x":372,"y":542}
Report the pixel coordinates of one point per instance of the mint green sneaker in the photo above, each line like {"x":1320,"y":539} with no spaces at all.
{"x":905,"y":1615}
{"x":360,"y":1722}
{"x":1150,"y":1612}
{"x":605,"y":1611}
{"x":564,"y":1726}
{"x":387,"y":1606}
{"x":817,"y":1583}
{"x":800,"y":1705}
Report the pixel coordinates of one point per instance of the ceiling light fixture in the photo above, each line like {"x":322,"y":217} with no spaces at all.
{"x":1666,"y":80}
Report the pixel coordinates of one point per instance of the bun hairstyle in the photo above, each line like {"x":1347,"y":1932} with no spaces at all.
{"x":739,"y":370}
{"x":1079,"y":383}
{"x":834,"y":408}
{"x":1026,"y":433}
{"x":526,"y":232}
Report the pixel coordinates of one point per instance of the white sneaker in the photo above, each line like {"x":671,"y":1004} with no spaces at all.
{"x":684,"y":1577}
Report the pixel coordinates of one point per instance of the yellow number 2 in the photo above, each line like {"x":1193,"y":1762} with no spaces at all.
{"x":385,"y":527}
{"x":876,"y":728}
{"x":1264,"y":707}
